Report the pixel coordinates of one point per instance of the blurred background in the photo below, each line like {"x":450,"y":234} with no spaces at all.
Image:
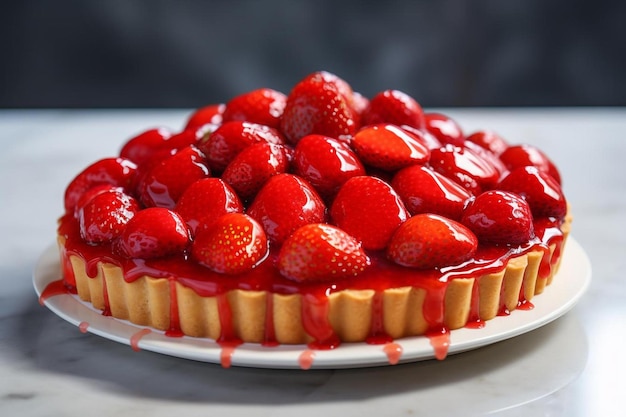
{"x":188,"y":53}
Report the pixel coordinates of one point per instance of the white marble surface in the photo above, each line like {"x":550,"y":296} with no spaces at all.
{"x":571,"y":367}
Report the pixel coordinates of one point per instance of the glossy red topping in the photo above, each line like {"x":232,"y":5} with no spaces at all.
{"x":311,"y":193}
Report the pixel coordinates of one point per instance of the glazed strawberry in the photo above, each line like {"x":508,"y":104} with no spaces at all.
{"x":326,"y":163}
{"x":368,"y":209}
{"x":165,"y":182}
{"x":223,"y":145}
{"x":499,"y":218}
{"x":253,"y":166}
{"x":427,"y":138}
{"x":445,"y":129}
{"x":316,"y":106}
{"x":153,"y":233}
{"x":321,"y":252}
{"x":142,"y":147}
{"x":104,"y":217}
{"x":425,"y":191}
{"x":236,"y":243}
{"x":119,"y":172}
{"x":285,"y":203}
{"x":528,"y":155}
{"x":88,"y":195}
{"x":488,"y":156}
{"x":263,"y":106}
{"x":489,"y":140}
{"x":427,"y":241}
{"x":389,"y":147}
{"x":539,"y":189}
{"x":205,"y":200}
{"x":211,"y":114}
{"x":462,"y":165}
{"x":394,"y":107}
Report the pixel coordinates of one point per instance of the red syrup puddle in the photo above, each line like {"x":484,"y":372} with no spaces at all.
{"x":53,"y":288}
{"x":393,"y":351}
{"x":135,"y":338}
{"x":306,"y":358}
{"x":440,"y":341}
{"x":83,"y":326}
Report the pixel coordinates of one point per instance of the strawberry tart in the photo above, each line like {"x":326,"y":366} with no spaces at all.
{"x":317,"y":217}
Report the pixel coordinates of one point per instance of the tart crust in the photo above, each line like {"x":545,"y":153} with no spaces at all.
{"x":352,"y":314}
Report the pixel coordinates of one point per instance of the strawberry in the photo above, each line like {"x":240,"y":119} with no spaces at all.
{"x":253,"y":166}
{"x":489,"y":140}
{"x":205,"y":200}
{"x":427,"y":138}
{"x":321,"y":252}
{"x":427,"y":241}
{"x":210,"y":114}
{"x":140,"y":148}
{"x":528,"y":155}
{"x":166,"y":181}
{"x":444,"y":128}
{"x":368,"y":209}
{"x":326,"y":163}
{"x":539,"y":189}
{"x":263,"y":106}
{"x":389,"y":147}
{"x":236,"y":243}
{"x":465,"y":167}
{"x":285,"y":203}
{"x":221,"y":146}
{"x":317,"y":106}
{"x":499,"y":218}
{"x":394,"y":107}
{"x":488,"y":156}
{"x":425,"y":191}
{"x":118,"y":172}
{"x":104,"y":217}
{"x":154,"y":232}
{"x":88,"y":195}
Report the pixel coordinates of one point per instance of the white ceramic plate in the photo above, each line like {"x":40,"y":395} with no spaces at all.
{"x":566,"y":289}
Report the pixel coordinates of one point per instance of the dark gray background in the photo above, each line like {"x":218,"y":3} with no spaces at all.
{"x":188,"y":53}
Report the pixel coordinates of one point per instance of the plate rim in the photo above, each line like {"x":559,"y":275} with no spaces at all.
{"x":69,"y":307}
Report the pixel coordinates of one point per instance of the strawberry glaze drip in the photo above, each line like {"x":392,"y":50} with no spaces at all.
{"x":380,"y":275}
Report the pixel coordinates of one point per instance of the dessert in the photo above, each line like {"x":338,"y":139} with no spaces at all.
{"x":319,"y":217}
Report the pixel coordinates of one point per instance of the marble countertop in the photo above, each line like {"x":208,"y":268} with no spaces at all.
{"x":570,"y":367}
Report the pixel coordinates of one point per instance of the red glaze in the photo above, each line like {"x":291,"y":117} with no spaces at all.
{"x":253,"y":166}
{"x":225,"y":143}
{"x":307,"y":110}
{"x":205,"y":200}
{"x":368,"y":209}
{"x":153,"y":233}
{"x":321,"y":252}
{"x":541,"y":191}
{"x":500,"y":218}
{"x":427,"y":241}
{"x":235,"y":243}
{"x":285,"y":203}
{"x":394,"y":107}
{"x":263,"y":106}
{"x":326,"y":163}
{"x":426,"y":191}
{"x":389,"y":147}
{"x":445,"y":129}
